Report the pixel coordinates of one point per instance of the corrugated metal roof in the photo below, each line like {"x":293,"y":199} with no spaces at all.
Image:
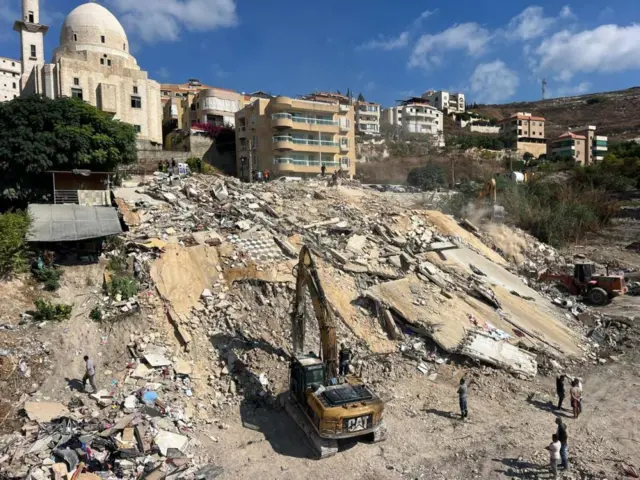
{"x":69,"y":223}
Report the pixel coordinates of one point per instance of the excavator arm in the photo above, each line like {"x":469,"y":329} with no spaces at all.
{"x":307,"y":276}
{"x":488,"y":190}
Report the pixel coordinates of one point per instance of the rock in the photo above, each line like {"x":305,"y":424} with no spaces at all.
{"x":181,"y":367}
{"x":130,"y":402}
{"x":206,"y":293}
{"x":356,"y":244}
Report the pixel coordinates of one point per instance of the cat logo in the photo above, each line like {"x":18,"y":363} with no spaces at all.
{"x":358,"y":424}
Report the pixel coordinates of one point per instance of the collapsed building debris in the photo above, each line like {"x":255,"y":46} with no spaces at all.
{"x":218,"y":257}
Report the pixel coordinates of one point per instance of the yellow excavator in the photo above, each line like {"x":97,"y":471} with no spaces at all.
{"x":490,"y":191}
{"x":325,"y":406}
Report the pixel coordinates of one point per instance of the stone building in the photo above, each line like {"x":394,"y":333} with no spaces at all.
{"x":10,"y":71}
{"x":92,"y":63}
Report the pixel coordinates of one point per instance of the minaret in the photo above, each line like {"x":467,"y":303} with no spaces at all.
{"x":32,"y":44}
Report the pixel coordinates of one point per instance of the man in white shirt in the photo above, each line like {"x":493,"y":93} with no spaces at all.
{"x":89,"y":374}
{"x":554,"y":454}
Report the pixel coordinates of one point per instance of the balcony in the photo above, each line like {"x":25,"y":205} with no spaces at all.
{"x":304,"y":163}
{"x":281,"y":103}
{"x":345,"y":125}
{"x":281,"y":120}
{"x":344,"y":147}
{"x":344,"y":108}
{"x":289,"y":142}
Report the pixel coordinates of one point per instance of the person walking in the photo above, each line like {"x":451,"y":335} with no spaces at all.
{"x":89,"y":374}
{"x":266,"y":175}
{"x":462,"y":397}
{"x":576,"y":398}
{"x":554,"y":454}
{"x":560,"y":390}
{"x":345,"y":359}
{"x":562,"y":437}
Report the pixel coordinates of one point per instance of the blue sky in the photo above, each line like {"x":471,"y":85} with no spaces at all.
{"x":493,"y":50}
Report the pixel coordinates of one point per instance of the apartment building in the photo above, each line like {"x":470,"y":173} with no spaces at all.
{"x":295,"y":137}
{"x":217,"y":106}
{"x":367,"y":118}
{"x":445,"y":101}
{"x":529,"y":132}
{"x":180,"y":90}
{"x":10,"y":73}
{"x":581,"y":144}
{"x":416,"y":115}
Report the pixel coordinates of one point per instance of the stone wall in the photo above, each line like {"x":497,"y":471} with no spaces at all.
{"x":484,"y":129}
{"x":148,"y":159}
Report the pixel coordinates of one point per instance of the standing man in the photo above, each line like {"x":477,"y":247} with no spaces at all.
{"x":562,"y":437}
{"x":323,"y":169}
{"x":345,"y":359}
{"x":576,"y":398}
{"x":199,"y":165}
{"x":89,"y":374}
{"x":462,"y":397}
{"x":560,"y":390}
{"x":554,"y":454}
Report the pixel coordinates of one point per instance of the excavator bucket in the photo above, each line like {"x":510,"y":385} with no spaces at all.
{"x":497,"y":216}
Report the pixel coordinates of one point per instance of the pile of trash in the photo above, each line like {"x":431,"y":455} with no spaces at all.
{"x":139,"y":438}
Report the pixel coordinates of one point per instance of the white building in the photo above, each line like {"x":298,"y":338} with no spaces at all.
{"x":445,"y":101}
{"x":367,"y":118}
{"x":91,"y":63}
{"x":10,"y":71}
{"x":416,"y":116}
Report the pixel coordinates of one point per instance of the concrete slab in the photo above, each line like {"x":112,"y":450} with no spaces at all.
{"x":44,"y":411}
{"x":499,"y":353}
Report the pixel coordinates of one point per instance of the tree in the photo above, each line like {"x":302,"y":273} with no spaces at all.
{"x":38,"y":134}
{"x":427,"y":177}
{"x":361,"y":98}
{"x":528,"y":156}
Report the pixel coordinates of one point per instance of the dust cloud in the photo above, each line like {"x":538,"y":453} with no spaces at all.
{"x":509,"y":241}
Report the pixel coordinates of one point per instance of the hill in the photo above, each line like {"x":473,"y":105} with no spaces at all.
{"x":614,"y":113}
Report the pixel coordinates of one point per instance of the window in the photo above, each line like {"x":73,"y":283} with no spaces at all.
{"x":31,"y":18}
{"x":14,"y":84}
{"x":135,"y":89}
{"x":102,"y":61}
{"x":138,"y":128}
{"x":102,"y":39}
{"x":136,"y":102}
{"x":109,"y":62}
{"x":76,"y":81}
{"x":193,"y":107}
{"x":76,"y":93}
{"x":75,"y":37}
{"x":124,"y":47}
{"x":33,"y":51}
{"x":13,"y":64}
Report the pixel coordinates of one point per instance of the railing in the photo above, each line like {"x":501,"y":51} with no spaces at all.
{"x":305,"y":141}
{"x":316,"y":121}
{"x":304,"y":163}
{"x":66,"y":196}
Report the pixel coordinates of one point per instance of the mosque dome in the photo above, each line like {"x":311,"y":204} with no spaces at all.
{"x":92,"y":24}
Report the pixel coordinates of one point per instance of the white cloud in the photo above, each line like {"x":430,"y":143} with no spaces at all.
{"x":493,"y":82}
{"x":530,"y":23}
{"x":163,"y":73}
{"x":370,"y":86}
{"x":605,"y":49}
{"x":469,"y":37}
{"x":168,"y":18}
{"x":566,"y":12}
{"x":400,"y":41}
{"x":390,"y":43}
{"x":569,"y":90}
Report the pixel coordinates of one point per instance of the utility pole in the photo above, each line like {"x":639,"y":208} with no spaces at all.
{"x":544,"y":88}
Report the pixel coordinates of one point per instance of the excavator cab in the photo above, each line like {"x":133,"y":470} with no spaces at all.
{"x":307,"y":374}
{"x":583,"y":272}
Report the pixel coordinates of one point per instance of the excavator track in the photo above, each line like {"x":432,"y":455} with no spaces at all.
{"x":322,"y":447}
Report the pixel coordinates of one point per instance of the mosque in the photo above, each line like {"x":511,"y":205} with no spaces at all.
{"x":93,"y":63}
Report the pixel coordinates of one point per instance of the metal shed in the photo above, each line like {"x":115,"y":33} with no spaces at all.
{"x":70,"y":223}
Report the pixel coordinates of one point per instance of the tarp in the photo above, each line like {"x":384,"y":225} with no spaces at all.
{"x":69,"y":223}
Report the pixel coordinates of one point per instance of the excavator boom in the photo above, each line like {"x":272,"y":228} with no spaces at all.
{"x":308,"y":277}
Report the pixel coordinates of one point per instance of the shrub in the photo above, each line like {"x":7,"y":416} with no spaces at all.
{"x":427,"y":177}
{"x":14,"y":227}
{"x":96,"y":314}
{"x":49,"y":276}
{"x":595,"y":100}
{"x":125,"y":286}
{"x":50,"y":312}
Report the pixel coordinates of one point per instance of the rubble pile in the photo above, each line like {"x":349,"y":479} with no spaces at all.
{"x":217,"y":258}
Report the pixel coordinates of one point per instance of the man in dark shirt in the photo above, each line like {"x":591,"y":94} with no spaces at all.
{"x":562,"y":436}
{"x":345,"y":359}
{"x":560,"y":390}
{"x":462,"y":397}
